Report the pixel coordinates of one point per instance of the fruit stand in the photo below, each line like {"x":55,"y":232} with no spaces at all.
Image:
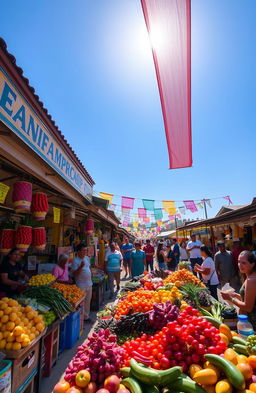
{"x":164,"y":334}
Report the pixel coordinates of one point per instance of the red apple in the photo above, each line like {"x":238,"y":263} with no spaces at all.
{"x":91,"y":388}
{"x":74,"y":389}
{"x":83,"y":377}
{"x":61,"y":387}
{"x":103,"y":391}
{"x":112,"y":383}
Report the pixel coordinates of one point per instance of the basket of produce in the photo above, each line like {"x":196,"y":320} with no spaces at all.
{"x":71,"y":293}
{"x":20,"y":326}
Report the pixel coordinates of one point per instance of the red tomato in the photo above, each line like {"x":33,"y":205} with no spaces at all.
{"x":165,"y":363}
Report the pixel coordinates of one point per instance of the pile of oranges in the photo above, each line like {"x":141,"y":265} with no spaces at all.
{"x":19,"y":326}
{"x":137,"y":301}
{"x":70,"y":292}
{"x":183,"y":276}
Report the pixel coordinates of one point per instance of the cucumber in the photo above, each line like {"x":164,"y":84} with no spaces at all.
{"x":238,"y":340}
{"x":240,"y":349}
{"x":186,"y":386}
{"x":150,"y":376}
{"x":215,"y":322}
{"x":234,"y":375}
{"x":125,"y":371}
{"x":150,"y":389}
{"x":132,"y":384}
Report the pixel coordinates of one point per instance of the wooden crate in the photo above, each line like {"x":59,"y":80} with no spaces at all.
{"x":23,"y":366}
{"x":30,"y":384}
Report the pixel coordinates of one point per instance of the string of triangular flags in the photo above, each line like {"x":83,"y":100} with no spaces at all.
{"x":147,"y":213}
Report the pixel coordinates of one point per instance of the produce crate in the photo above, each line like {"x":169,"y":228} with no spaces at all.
{"x":51,"y":345}
{"x":72,"y":329}
{"x":62,"y":335}
{"x":22,"y":366}
{"x":30,"y":384}
{"x":97,"y":295}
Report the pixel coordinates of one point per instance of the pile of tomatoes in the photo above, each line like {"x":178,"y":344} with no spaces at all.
{"x":138,"y":301}
{"x":180,"y":343}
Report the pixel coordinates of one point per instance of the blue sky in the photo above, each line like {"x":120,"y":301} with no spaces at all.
{"x":91,"y":64}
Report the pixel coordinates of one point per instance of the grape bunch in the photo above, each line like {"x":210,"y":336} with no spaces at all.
{"x":251,"y":345}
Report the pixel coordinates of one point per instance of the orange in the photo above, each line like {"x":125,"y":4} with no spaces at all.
{"x":13,"y":317}
{"x":10,"y":326}
{"x":252,"y":387}
{"x":1,"y":336}
{"x":4,"y":319}
{"x":7,"y":310}
{"x":6,"y":334}
{"x":12,"y":303}
{"x":10,"y":338}
{"x":2,"y":344}
{"x":8,"y":346}
{"x":40,"y":327}
{"x":1,"y":313}
{"x":25,"y":343}
{"x":16,"y":346}
{"x":252,"y":361}
{"x":245,"y":369}
{"x":18,"y":330}
{"x":242,"y":359}
{"x":20,"y":338}
{"x":3,"y":306}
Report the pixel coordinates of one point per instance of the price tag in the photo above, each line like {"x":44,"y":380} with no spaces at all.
{"x":3,"y":192}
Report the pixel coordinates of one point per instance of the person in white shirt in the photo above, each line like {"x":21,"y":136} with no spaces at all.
{"x":193,"y":247}
{"x":208,"y":271}
{"x":81,"y":268}
{"x":183,"y":251}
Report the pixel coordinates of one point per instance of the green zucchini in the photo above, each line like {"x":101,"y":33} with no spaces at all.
{"x":238,"y":340}
{"x":186,"y":386}
{"x":240,"y":349}
{"x":132,"y":384}
{"x":125,"y":371}
{"x":215,"y":322}
{"x":150,"y":389}
{"x":234,"y":375}
{"x":150,"y":376}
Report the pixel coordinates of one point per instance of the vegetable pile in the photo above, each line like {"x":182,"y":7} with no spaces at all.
{"x":70,"y":292}
{"x":161,"y":314}
{"x":100,"y":355}
{"x":41,"y":279}
{"x":183,"y":276}
{"x":50,"y":297}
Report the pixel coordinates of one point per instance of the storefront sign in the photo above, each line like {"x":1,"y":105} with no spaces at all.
{"x":3,"y":192}
{"x":19,"y":116}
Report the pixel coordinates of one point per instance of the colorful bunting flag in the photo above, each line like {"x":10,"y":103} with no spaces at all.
{"x":112,"y":207}
{"x":158,"y":213}
{"x":135,"y":223}
{"x":142,"y":212}
{"x":171,"y":218}
{"x":108,"y":197}
{"x":146,"y":219}
{"x":148,"y":204}
{"x":190,"y":205}
{"x":199,"y":205}
{"x":169,"y":28}
{"x":178,"y":216}
{"x":182,"y":210}
{"x":228,"y":199}
{"x":169,"y":207}
{"x":159,"y":222}
{"x":127,"y":202}
{"x":126,"y":211}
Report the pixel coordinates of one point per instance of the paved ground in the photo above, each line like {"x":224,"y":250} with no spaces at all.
{"x":48,"y":383}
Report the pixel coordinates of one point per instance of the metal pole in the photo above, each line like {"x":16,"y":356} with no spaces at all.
{"x":205,"y":210}
{"x":175,"y":218}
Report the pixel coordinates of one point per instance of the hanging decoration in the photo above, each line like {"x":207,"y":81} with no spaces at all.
{"x":126,"y":211}
{"x":39,"y":205}
{"x":169,"y":207}
{"x":22,"y":196}
{"x":142,"y":213}
{"x":228,"y":199}
{"x":127,"y":203}
{"x":112,"y":207}
{"x":106,"y":196}
{"x":158,"y":214}
{"x":89,"y":227}
{"x":23,"y":237}
{"x":169,"y":27}
{"x":4,"y":189}
{"x":182,"y":210}
{"x":7,"y":240}
{"x":56,"y":215}
{"x":148,"y":204}
{"x":190,"y":205}
{"x":208,"y":201}
{"x":39,"y":238}
{"x":199,"y":205}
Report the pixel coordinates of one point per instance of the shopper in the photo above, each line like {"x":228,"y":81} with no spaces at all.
{"x":149,"y":251}
{"x":138,"y":260}
{"x":12,"y":275}
{"x":170,"y":258}
{"x":60,"y":271}
{"x":126,"y":250}
{"x":224,"y":265}
{"x":82,"y":272}
{"x":113,"y":267}
{"x":183,"y":251}
{"x":208,"y":271}
{"x":246,"y":300}
{"x":193,"y":247}
{"x":176,"y":250}
{"x":160,"y":256}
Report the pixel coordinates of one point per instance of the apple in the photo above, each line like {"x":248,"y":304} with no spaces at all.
{"x":91,"y":388}
{"x":61,"y":387}
{"x":103,"y":391}
{"x":74,"y":389}
{"x":83,"y":377}
{"x":123,"y":391}
{"x":112,"y":383}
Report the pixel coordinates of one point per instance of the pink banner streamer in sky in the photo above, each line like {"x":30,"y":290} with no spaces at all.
{"x":190,"y":205}
{"x":127,"y":203}
{"x":169,"y":27}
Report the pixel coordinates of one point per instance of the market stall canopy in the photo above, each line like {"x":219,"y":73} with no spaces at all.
{"x":166,"y":234}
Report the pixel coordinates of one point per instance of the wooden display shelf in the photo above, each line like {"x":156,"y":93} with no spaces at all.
{"x":12,"y":354}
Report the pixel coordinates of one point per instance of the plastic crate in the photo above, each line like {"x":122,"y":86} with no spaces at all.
{"x":72,"y":329}
{"x":62,"y":335}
